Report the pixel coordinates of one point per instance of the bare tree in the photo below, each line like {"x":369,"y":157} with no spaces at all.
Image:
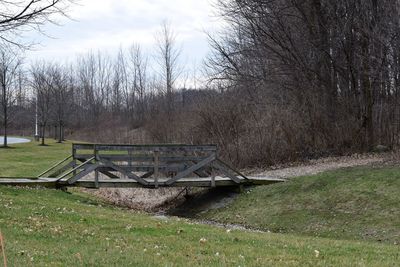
{"x":95,"y":78}
{"x":10,"y":64}
{"x":61,"y":97}
{"x":138,"y":70}
{"x":19,"y":16}
{"x":168,"y":60}
{"x":42,"y":85}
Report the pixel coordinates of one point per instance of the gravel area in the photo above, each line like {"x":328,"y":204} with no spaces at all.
{"x":325,"y":164}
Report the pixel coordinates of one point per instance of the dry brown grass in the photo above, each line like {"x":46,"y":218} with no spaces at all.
{"x":144,"y":199}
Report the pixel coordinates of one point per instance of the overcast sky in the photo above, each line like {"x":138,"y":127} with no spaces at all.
{"x":108,"y":24}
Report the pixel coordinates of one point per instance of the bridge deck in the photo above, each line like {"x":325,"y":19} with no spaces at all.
{"x":129,"y":183}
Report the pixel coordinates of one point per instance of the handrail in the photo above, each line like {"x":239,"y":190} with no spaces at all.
{"x":54,"y":166}
{"x":76,"y":168}
{"x":233,"y":169}
{"x":144,"y":147}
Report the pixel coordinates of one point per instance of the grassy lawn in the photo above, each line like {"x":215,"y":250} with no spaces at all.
{"x":51,"y":228}
{"x":44,"y":227}
{"x":30,"y":159}
{"x":355,"y":203}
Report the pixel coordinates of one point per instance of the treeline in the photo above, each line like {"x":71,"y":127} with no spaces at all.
{"x":99,"y":97}
{"x":313,"y":77}
{"x":287,"y":80}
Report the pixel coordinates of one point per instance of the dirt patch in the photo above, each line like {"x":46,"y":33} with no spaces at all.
{"x":150,"y":200}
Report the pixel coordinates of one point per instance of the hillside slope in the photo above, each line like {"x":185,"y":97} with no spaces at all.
{"x":360,"y":203}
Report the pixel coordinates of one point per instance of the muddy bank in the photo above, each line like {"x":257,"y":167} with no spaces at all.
{"x":200,"y":202}
{"x":182,"y":202}
{"x":149,"y":200}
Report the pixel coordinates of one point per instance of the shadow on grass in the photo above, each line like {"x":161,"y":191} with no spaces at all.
{"x":7,"y":147}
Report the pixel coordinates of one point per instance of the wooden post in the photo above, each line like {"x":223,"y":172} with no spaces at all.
{"x":130,"y":158}
{"x":96,"y":172}
{"x":3,"y":249}
{"x":96,"y":178}
{"x":96,"y":153}
{"x":73,"y":158}
{"x":213,"y":180}
{"x":156,"y":166}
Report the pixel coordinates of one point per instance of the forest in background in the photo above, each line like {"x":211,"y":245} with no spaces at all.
{"x":286,"y":80}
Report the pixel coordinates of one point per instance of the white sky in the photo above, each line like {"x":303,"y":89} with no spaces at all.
{"x":109,"y":24}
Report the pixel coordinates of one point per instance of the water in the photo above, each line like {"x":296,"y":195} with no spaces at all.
{"x":14,"y":140}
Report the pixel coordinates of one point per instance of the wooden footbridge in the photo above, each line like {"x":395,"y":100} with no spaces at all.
{"x":148,"y":166}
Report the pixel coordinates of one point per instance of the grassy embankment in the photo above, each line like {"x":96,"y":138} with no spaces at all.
{"x":51,"y":228}
{"x":355,"y":203}
{"x":45,"y":227}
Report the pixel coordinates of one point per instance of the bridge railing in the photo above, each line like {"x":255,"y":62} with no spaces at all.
{"x":149,"y":165}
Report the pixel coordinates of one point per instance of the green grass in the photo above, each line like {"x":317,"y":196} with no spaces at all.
{"x":44,"y":227}
{"x":356,"y":203}
{"x":51,"y":228}
{"x":30,"y":159}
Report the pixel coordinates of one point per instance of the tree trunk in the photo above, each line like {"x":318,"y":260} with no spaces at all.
{"x":60,"y":135}
{"x":5,"y":110}
{"x":43,"y":126}
{"x":55,"y":132}
{"x":368,"y":98}
{"x":5,"y":133}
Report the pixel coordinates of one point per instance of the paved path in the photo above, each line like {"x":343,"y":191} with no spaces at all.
{"x":325,"y":164}
{"x":14,"y":140}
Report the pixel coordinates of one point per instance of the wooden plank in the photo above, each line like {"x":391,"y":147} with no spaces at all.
{"x":265,"y":180}
{"x":129,"y":183}
{"x":202,"y":171}
{"x":29,"y":182}
{"x":147,"y":168}
{"x":85,"y":145}
{"x":124,"y":172}
{"x":184,"y":182}
{"x":142,"y":158}
{"x":109,"y":174}
{"x":76,"y":168}
{"x":78,"y":146}
{"x":147,"y":174}
{"x":161,"y":148}
{"x":227,"y":172}
{"x":54,"y":166}
{"x":83,"y":173}
{"x":156,"y":164}
{"x":191,"y":169}
{"x":63,"y":169}
{"x":231,"y":168}
{"x":124,"y":183}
